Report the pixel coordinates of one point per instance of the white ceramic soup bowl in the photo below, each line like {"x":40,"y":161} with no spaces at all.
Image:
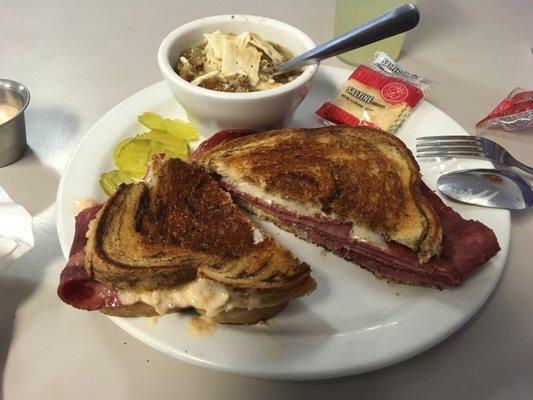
{"x":209,"y":110}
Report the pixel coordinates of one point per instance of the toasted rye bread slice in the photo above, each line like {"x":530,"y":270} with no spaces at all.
{"x":183,"y":227}
{"x":360,"y":175}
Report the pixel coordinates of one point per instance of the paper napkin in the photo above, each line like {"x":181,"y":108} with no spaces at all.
{"x":16,"y":235}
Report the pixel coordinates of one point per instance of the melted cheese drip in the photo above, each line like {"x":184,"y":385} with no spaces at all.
{"x":200,"y":327}
{"x":209,"y":296}
{"x":202,"y":293}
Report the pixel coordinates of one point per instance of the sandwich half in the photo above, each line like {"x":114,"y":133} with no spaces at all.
{"x":174,"y":242}
{"x":357,"y":192}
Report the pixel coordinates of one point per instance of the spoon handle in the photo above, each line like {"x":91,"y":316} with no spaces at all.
{"x":515,"y":163}
{"x":394,"y":22}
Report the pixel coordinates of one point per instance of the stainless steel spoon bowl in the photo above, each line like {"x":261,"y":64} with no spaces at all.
{"x":487,"y":188}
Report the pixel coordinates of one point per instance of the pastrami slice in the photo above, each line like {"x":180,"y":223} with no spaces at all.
{"x":467,"y":244}
{"x":76,"y":287}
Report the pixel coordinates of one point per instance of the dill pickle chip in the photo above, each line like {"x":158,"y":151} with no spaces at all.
{"x":167,"y":136}
{"x":133,"y":156}
{"x":157,"y":148}
{"x":173,"y":144}
{"x":119,"y":146}
{"x":180,"y":129}
{"x":109,"y":181}
{"x":107,"y":186}
{"x":152,"y":120}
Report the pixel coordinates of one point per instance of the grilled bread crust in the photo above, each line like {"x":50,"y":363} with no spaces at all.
{"x":182,"y":227}
{"x":358,"y":174}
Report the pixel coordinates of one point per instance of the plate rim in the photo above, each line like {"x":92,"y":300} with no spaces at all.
{"x":269,"y":373}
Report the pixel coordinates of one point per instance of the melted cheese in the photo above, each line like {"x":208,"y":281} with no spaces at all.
{"x":363,"y":234}
{"x":209,"y":296}
{"x":201,"y":293}
{"x":271,"y":199}
{"x":200,"y":327}
{"x":357,"y":232}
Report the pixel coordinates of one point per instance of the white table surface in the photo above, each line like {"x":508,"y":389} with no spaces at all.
{"x":79,"y":59}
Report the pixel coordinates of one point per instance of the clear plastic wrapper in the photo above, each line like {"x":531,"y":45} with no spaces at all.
{"x":513,"y":113}
{"x":379,"y":97}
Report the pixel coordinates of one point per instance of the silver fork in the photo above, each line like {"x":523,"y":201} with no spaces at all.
{"x":466,"y":147}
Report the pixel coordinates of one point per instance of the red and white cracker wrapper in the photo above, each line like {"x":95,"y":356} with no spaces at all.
{"x":380,"y":97}
{"x":513,"y":113}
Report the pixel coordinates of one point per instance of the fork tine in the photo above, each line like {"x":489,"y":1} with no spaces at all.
{"x":449,"y":137}
{"x":450,"y":144}
{"x":441,"y":149}
{"x":449,"y":156}
{"x":466,"y":154}
{"x":449,"y":149}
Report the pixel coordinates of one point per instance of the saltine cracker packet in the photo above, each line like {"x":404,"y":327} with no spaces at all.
{"x":378,"y":97}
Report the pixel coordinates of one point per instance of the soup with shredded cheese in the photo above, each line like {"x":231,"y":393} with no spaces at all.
{"x":230,"y":62}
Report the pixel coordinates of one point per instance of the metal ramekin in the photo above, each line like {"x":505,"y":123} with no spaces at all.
{"x":13,"y":132}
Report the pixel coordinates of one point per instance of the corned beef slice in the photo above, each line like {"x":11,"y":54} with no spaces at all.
{"x":76,"y":287}
{"x":467,"y":244}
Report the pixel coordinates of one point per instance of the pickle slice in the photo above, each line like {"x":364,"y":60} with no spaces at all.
{"x":158,"y":148}
{"x":165,"y":143}
{"x":109,"y":181}
{"x":173,"y":144}
{"x":133,"y":156}
{"x":119,"y":146}
{"x":151,"y":120}
{"x":180,"y":129}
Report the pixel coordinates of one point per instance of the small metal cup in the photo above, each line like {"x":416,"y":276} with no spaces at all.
{"x":13,"y":132}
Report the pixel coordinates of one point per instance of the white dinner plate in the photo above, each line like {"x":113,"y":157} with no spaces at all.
{"x":353,"y":322}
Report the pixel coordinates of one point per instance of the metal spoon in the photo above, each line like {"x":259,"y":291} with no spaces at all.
{"x":487,"y":188}
{"x":399,"y":20}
